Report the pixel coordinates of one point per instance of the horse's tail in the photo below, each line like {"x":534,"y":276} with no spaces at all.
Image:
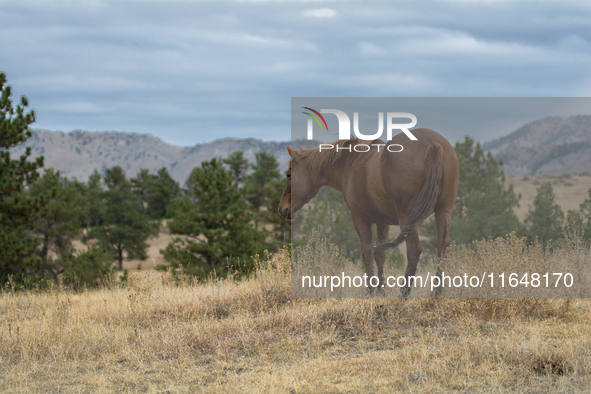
{"x":427,"y":198}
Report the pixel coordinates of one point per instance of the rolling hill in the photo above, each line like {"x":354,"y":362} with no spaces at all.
{"x":552,"y":145}
{"x":78,"y":153}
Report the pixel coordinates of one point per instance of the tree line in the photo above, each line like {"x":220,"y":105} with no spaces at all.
{"x":224,"y":214}
{"x":485,"y":208}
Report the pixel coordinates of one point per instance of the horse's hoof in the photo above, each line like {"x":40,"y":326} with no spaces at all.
{"x":380,"y":292}
{"x":376,"y":292}
{"x":436,"y":292}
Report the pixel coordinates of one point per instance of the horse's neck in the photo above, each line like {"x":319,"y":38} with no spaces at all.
{"x":334,"y":174}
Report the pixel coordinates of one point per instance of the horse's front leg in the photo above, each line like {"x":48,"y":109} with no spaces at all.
{"x":363,"y":228}
{"x":443,"y":221}
{"x":380,"y":254}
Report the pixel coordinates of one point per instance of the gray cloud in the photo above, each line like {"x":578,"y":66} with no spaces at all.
{"x":190,"y":72}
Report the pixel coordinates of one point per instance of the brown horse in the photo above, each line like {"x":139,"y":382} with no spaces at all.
{"x":382,"y":186}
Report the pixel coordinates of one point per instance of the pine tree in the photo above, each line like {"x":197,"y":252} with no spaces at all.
{"x":238,"y":165}
{"x":483,"y":207}
{"x":86,"y":267}
{"x":63,"y":222}
{"x":544,"y":220}
{"x":478,"y":172}
{"x":155,"y":192}
{"x":585,"y":212}
{"x":141,"y":185}
{"x":18,"y":211}
{"x":218,"y":225}
{"x":579,"y":222}
{"x":59,"y":226}
{"x":188,"y":188}
{"x":163,"y":190}
{"x":265,"y":170}
{"x":83,"y":206}
{"x":94,"y":200}
{"x":123,"y":227}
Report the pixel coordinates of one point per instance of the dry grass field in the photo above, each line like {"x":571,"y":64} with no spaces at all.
{"x":158,"y":335}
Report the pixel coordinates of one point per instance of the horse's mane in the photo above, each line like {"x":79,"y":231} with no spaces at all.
{"x":317,"y":161}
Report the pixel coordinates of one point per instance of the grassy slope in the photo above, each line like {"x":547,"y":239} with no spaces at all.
{"x":251,"y":336}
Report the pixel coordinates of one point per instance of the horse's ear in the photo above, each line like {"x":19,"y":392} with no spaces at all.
{"x":289,"y":150}
{"x":301,"y":149}
{"x":352,"y":138}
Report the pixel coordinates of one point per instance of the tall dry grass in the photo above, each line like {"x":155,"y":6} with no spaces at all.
{"x":512,"y":255}
{"x":158,"y":334}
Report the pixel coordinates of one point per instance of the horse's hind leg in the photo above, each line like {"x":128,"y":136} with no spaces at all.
{"x":380,"y":254}
{"x":413,"y":253}
{"x":443,"y":222}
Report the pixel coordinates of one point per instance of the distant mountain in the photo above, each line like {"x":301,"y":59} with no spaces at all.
{"x":78,"y":153}
{"x":553,"y":145}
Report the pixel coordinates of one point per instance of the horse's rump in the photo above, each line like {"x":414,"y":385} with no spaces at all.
{"x":427,"y":197}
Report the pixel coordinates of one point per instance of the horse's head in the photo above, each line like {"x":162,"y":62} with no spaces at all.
{"x":300,"y":187}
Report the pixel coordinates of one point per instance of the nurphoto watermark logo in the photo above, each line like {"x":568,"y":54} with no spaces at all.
{"x":345,"y":129}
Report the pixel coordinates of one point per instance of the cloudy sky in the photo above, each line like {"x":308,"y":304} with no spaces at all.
{"x":192,"y":72}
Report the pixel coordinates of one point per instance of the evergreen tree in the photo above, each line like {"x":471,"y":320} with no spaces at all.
{"x":574,"y":221}
{"x":544,"y":220}
{"x":265,"y":170}
{"x":478,"y":172}
{"x":579,"y":222}
{"x":163,"y":190}
{"x":18,"y":210}
{"x":86,"y":267}
{"x":188,"y":188}
{"x":141,"y":186}
{"x":217,"y":222}
{"x":585,"y":212}
{"x":238,"y":165}
{"x":155,"y":192}
{"x":94,"y":200}
{"x":483,"y":207}
{"x":59,"y":225}
{"x":123,"y":228}
{"x":82,"y":189}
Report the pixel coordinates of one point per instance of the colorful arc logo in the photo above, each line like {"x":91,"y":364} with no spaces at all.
{"x":315,"y":118}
